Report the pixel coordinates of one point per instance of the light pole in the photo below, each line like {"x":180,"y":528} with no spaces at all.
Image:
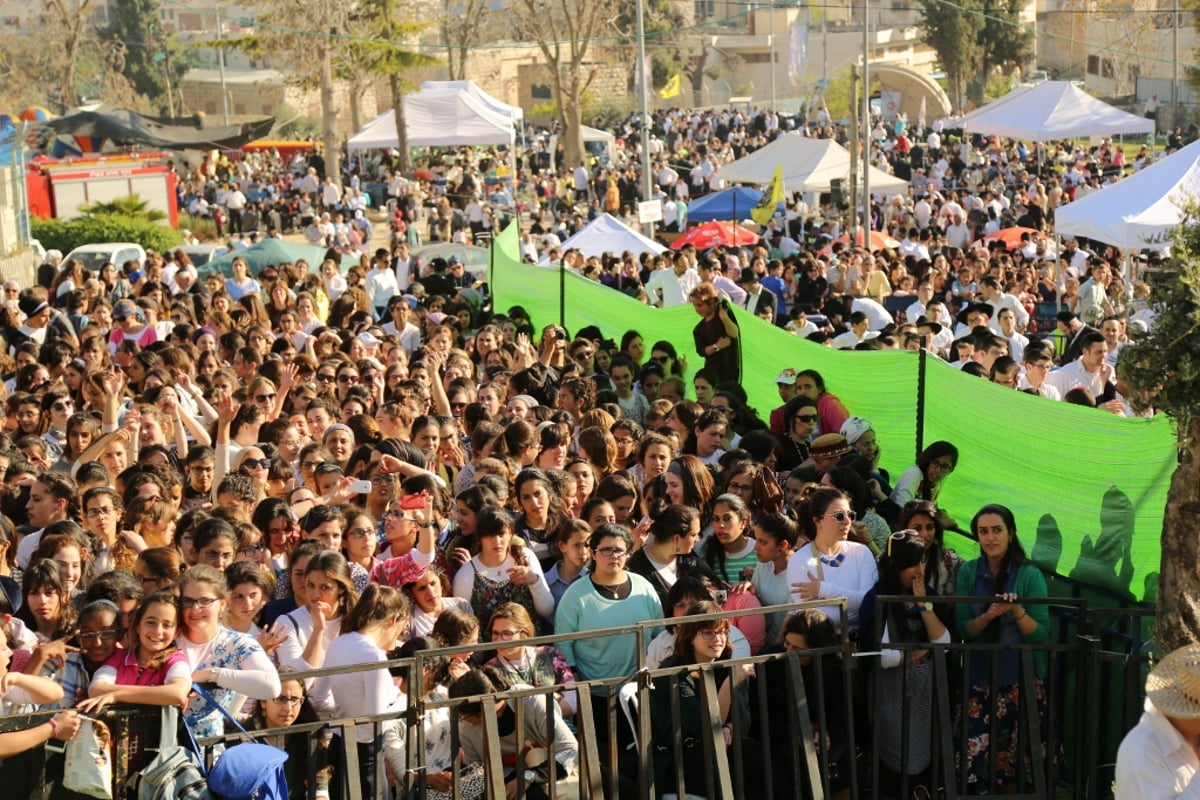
{"x":866,"y":123}
{"x":642,"y":103}
{"x":771,"y":43}
{"x":221,"y":67}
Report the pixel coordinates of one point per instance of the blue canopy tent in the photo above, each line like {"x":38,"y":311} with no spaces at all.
{"x":727,"y":205}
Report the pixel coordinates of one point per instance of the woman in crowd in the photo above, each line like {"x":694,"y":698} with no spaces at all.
{"x":504,"y":571}
{"x":830,"y":565}
{"x":699,"y":642}
{"x":531,"y":666}
{"x":232,"y":664}
{"x":1002,"y":578}
{"x":669,"y":553}
{"x":941,"y":563}
{"x":311,"y":629}
{"x":902,"y":685}
{"x":924,"y":481}
{"x":429,"y":600}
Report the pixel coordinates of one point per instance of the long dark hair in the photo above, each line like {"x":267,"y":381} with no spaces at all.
{"x":904,"y":550}
{"x":1014,"y":556}
{"x":714,"y":551}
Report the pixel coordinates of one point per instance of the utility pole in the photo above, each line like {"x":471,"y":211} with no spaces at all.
{"x":852,"y":191}
{"x":771,"y":51}
{"x":644,"y":81}
{"x":866,"y":124}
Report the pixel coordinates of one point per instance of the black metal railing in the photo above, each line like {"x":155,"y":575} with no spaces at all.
{"x":805,"y":725}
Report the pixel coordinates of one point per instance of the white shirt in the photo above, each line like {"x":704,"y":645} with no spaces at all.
{"x":674,"y":288}
{"x":851,"y":578}
{"x":1155,"y":763}
{"x":361,"y":693}
{"x":1073,"y":376}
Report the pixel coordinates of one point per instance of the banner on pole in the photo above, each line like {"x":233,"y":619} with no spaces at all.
{"x":890,"y":104}
{"x":798,"y":53}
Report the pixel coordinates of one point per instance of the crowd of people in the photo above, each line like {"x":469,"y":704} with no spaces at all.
{"x":230,"y":480}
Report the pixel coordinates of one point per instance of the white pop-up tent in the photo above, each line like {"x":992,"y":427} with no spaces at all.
{"x":515,"y":113}
{"x":1053,"y":110}
{"x":438,"y":118}
{"x":808,"y":166}
{"x":1139,"y":211}
{"x":607,"y":234}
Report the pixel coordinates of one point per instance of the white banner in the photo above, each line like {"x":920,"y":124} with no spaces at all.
{"x":649,"y":211}
{"x":798,"y":53}
{"x":889,"y":103}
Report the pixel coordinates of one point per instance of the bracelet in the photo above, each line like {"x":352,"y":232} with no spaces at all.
{"x":53,"y":728}
{"x":1023,"y":616}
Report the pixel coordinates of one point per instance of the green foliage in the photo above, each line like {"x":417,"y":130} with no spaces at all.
{"x":291,"y":124}
{"x":130,"y":206}
{"x":66,"y":235}
{"x":203,"y":228}
{"x":1164,"y":364}
{"x":609,"y":112}
{"x":1003,"y":42}
{"x":953,"y":33}
{"x":837,"y":95}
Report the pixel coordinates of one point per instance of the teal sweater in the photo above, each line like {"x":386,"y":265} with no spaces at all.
{"x":1028,"y":582}
{"x":582,"y":608}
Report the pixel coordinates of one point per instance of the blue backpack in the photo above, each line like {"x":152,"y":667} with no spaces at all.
{"x":248,"y":771}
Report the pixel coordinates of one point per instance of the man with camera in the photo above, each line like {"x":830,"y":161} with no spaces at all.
{"x":716,"y":335}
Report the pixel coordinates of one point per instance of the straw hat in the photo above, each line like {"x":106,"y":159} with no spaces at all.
{"x":1174,"y":685}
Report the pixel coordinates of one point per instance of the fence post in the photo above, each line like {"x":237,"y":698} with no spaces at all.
{"x":1087,"y":682}
{"x":922,"y":357}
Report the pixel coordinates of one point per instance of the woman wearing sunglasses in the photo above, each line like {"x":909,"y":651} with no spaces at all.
{"x":830,"y":565}
{"x":800,"y":420}
{"x":902,"y":572}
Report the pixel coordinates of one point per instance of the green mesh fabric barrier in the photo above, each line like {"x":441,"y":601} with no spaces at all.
{"x":1088,"y":488}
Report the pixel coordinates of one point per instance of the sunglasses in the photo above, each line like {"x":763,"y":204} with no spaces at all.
{"x":265,"y":398}
{"x":263,"y":463}
{"x":325,"y":377}
{"x":810,"y":418}
{"x":842,"y":516}
{"x":900,"y":536}
{"x":63,"y":405}
{"x":347,"y":379}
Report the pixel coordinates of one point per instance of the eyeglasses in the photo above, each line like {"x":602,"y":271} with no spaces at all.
{"x":325,"y":377}
{"x":261,"y":463}
{"x":611,"y":552}
{"x":457,"y":406}
{"x":265,"y":398}
{"x":943,"y":466}
{"x":383,"y":480}
{"x":202,"y":603}
{"x":347,"y":379}
{"x":394,"y":513}
{"x":102,"y":511}
{"x":660,"y":359}
{"x":63,"y":405}
{"x":284,"y":700}
{"x":809,"y":418}
{"x":582,"y":356}
{"x":96,"y":637}
{"x":842,"y":516}
{"x":359,"y":533}
{"x":252,"y":550}
{"x":710,"y":635}
{"x":504,"y":636}
{"x":309,"y":464}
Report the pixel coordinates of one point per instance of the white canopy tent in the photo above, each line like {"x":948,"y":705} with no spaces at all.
{"x":1139,"y":211}
{"x":1053,"y":110}
{"x":438,"y":118}
{"x":808,"y":166}
{"x":607,"y":234}
{"x":513,"y":112}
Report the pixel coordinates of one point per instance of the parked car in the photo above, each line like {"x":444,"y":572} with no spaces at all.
{"x":95,"y":256}
{"x":201,"y":254}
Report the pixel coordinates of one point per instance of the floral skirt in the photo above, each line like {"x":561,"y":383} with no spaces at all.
{"x":978,"y":749}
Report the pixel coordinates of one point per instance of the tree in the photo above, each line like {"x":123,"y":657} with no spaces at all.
{"x":953,"y":33}
{"x":1003,"y":42}
{"x":563,"y":31}
{"x":462,"y":29}
{"x":154,"y":60}
{"x":1163,"y":367}
{"x":68,"y":19}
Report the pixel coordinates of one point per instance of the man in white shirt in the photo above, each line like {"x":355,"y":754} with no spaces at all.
{"x":381,"y":283}
{"x":859,"y":323}
{"x":989,"y":287}
{"x":409,"y":334}
{"x":670,"y":286}
{"x":917,"y":309}
{"x":1159,"y":758}
{"x":1090,"y":371}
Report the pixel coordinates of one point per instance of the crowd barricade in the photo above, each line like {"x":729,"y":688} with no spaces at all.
{"x":1095,"y":668}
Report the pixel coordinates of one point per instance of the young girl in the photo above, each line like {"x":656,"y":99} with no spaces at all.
{"x":153,"y":520}
{"x":249,"y":589}
{"x":18,"y":691}
{"x":359,"y":544}
{"x":153,"y":672}
{"x":504,"y":571}
{"x":102,"y":512}
{"x":371,"y":630}
{"x":311,"y":629}
{"x":158,"y":568}
{"x":775,"y":537}
{"x":427,"y":594}
{"x":47,"y":610}
{"x":730,"y":551}
{"x":572,"y":545}
{"x":73,"y":669}
{"x":68,"y":554}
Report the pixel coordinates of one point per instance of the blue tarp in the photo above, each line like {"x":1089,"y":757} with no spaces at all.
{"x":728,"y":205}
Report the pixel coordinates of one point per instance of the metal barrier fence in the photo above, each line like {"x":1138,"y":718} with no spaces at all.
{"x":807,"y":725}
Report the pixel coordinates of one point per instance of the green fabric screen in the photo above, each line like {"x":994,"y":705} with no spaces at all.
{"x":1088,"y":488}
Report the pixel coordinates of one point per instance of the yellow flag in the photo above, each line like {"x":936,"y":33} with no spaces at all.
{"x":673,"y":88}
{"x":765,"y":209}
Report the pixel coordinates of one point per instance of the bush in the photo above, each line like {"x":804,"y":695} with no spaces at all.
{"x":203,"y":228}
{"x":66,"y":235}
